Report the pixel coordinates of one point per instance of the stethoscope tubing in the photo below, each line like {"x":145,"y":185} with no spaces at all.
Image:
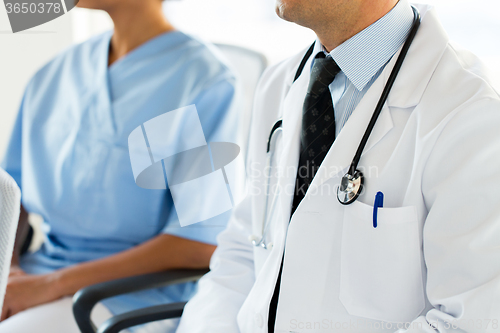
{"x":277,"y":127}
{"x":386,"y":92}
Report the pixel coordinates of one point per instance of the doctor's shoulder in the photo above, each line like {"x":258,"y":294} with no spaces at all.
{"x":459,"y":86}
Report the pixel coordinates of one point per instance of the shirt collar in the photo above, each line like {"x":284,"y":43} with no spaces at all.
{"x":364,"y":54}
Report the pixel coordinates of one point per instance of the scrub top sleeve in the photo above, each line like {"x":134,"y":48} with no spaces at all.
{"x":12,"y":161}
{"x":203,"y":232}
{"x":219,"y":120}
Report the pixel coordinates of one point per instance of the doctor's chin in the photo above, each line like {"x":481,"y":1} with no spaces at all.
{"x":229,"y":166}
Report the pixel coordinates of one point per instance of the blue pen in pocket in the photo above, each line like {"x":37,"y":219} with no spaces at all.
{"x":379,"y":203}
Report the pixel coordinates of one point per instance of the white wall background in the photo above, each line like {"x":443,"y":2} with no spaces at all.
{"x":473,"y":23}
{"x":20,"y":56}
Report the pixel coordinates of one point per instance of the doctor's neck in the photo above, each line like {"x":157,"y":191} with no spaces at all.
{"x":136,"y":22}
{"x":334,"y":21}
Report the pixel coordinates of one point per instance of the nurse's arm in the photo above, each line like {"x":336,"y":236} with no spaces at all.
{"x":161,"y":253}
{"x":158,"y":254}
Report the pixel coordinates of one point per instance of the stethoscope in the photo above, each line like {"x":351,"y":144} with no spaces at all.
{"x":352,"y":182}
{"x":271,"y":145}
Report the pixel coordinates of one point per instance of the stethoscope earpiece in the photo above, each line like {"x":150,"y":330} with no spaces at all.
{"x":253,"y":239}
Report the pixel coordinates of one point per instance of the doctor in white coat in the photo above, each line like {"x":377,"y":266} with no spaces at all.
{"x":432,"y":263}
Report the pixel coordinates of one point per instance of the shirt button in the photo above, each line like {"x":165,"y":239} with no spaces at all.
{"x":259,"y":321}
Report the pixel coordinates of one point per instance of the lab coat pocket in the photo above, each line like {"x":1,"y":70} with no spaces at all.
{"x":381,"y":273}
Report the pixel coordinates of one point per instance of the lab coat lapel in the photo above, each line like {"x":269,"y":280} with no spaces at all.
{"x":422,"y":59}
{"x":292,"y":120}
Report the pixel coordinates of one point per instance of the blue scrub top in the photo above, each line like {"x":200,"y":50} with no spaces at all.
{"x":69,"y":149}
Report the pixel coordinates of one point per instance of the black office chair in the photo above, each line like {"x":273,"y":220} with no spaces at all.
{"x":85,"y":300}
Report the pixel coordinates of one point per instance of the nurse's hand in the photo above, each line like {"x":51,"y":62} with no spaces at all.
{"x":25,"y":291}
{"x":16,"y":271}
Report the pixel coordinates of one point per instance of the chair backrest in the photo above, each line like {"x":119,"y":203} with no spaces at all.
{"x":249,"y":66}
{"x":10,"y":205}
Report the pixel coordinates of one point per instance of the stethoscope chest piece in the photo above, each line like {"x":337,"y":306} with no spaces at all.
{"x":350,"y":188}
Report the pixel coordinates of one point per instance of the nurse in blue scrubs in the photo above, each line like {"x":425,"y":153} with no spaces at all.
{"x":69,"y":155}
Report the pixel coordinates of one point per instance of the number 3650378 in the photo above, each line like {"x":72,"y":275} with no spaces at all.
{"x":33,"y":8}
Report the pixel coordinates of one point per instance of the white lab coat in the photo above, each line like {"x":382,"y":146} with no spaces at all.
{"x":435,"y":255}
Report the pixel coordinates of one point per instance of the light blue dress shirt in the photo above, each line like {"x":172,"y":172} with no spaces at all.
{"x":363,"y":57}
{"x":69,"y":150}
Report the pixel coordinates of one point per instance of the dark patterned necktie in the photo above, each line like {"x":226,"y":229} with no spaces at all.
{"x":318,"y":134}
{"x":318,"y":124}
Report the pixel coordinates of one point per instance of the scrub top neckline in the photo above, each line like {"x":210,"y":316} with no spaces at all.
{"x":105,"y":74}
{"x":166,"y":39}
